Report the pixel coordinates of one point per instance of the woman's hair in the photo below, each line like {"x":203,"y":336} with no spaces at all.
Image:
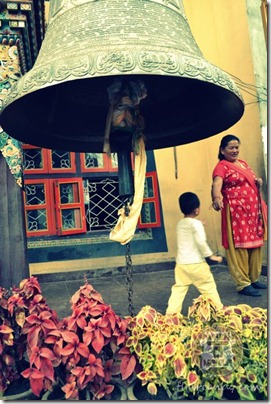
{"x":188,"y":202}
{"x":224,"y":143}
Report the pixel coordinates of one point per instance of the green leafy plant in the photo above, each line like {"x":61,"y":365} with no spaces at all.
{"x":81,"y":353}
{"x":249,"y":380}
{"x":210,"y":354}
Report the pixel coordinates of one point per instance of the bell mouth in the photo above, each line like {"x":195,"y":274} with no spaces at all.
{"x":72,"y":115}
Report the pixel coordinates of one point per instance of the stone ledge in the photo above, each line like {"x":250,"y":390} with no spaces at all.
{"x":105,"y":272}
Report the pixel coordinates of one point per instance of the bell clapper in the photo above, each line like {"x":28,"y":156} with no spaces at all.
{"x":124,"y":129}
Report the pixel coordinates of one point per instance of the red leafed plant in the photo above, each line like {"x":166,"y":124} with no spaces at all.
{"x":81,"y":353}
{"x":16,"y":304}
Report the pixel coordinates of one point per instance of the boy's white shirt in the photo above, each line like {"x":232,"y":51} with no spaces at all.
{"x":192,"y":246}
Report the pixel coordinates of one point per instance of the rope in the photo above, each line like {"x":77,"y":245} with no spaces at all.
{"x":175,"y":162}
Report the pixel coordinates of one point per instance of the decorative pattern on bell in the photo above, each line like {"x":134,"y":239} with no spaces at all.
{"x":62,"y":102}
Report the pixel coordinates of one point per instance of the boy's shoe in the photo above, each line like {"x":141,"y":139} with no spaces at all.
{"x":249,"y":291}
{"x":258,"y":285}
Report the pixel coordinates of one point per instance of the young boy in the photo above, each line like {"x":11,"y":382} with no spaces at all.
{"x":191,"y":267}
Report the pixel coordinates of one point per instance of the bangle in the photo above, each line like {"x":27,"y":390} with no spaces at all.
{"x":216,"y":197}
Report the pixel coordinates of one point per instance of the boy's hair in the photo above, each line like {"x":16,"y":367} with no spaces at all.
{"x":188,"y":202}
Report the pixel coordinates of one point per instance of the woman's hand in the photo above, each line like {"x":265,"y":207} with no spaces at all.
{"x":259,"y":182}
{"x":217,"y":203}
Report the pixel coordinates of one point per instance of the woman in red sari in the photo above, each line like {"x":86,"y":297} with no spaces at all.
{"x":236,"y":193}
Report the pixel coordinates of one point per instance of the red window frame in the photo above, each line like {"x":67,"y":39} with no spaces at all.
{"x":60,"y":207}
{"x":52,"y":170}
{"x":54,"y":207}
{"x":36,"y":171}
{"x":46,"y":206}
{"x":155,"y":200}
{"x":48,"y":162}
{"x":107,"y":165}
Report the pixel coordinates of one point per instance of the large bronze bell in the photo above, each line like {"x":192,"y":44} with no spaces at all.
{"x":63,"y":103}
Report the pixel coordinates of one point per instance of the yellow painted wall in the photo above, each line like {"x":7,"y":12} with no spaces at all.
{"x":220,"y":29}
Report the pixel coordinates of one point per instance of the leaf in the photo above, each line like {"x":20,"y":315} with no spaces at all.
{"x":149,"y":317}
{"x":45,"y":315}
{"x":127,"y":366}
{"x":26,"y":373}
{"x":106,"y":331}
{"x":47,"y":353}
{"x":81,"y":322}
{"x":20,"y":317}
{"x":125,"y":351}
{"x":170,"y":349}
{"x":67,"y":350}
{"x":192,"y":378}
{"x":83,"y":350}
{"x":146,"y":376}
{"x":35,"y":357}
{"x":152,"y":388}
{"x":33,"y":319}
{"x":47,"y":368}
{"x":69,"y":336}
{"x":205,"y":312}
{"x":4,"y":329}
{"x":55,"y":333}
{"x":48,"y":324}
{"x":36,"y":386}
{"x":252,"y":377}
{"x":112,"y":319}
{"x":104,"y":390}
{"x":256,"y":321}
{"x":228,"y":378}
{"x":179,"y":367}
{"x":138,"y":349}
{"x":36,"y":379}
{"x":245,"y":393}
{"x":8,"y":360}
{"x":70,"y":391}
{"x":98,"y":341}
{"x":50,"y":340}
{"x":33,"y":336}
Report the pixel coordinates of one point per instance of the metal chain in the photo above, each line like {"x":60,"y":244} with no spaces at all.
{"x":129,"y":279}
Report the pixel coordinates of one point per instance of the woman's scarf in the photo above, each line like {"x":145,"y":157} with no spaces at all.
{"x":262,"y":208}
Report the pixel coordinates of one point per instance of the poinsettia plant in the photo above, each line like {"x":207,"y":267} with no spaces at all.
{"x":81,"y":353}
{"x":210,"y":354}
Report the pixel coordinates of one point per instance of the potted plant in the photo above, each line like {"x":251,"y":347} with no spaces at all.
{"x":210,"y":354}
{"x":248,"y":381}
{"x":157,"y":342}
{"x":15,"y":305}
{"x":80,"y":354}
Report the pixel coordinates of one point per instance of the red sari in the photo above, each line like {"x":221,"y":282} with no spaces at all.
{"x":241,"y":193}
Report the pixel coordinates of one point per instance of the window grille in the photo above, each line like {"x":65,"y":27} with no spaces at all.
{"x":101,"y":203}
